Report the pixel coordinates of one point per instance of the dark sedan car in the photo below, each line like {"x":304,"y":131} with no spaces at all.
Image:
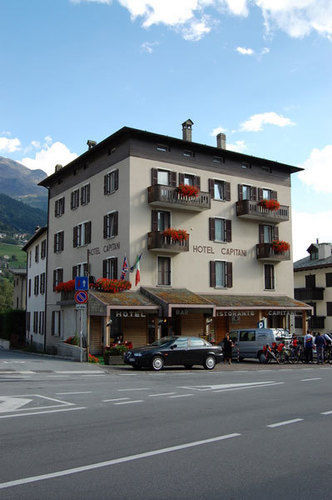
{"x":170,"y":351}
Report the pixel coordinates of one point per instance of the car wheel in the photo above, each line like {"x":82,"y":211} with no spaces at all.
{"x":262,"y":358}
{"x":188,"y":367}
{"x":210,"y":363}
{"x":157,"y":363}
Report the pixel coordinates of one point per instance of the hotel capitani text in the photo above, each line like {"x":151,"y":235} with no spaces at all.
{"x":209,"y":230}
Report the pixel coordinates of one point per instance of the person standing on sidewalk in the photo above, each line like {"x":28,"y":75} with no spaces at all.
{"x":320,"y":346}
{"x":308,"y":345}
{"x":228,"y":349}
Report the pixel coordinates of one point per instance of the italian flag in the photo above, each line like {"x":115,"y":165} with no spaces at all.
{"x":138,"y":270}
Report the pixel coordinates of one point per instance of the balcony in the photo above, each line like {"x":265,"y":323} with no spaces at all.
{"x":159,"y":243}
{"x":316,"y":322}
{"x":169,"y":197}
{"x":309,"y":294}
{"x":266,"y":252}
{"x":66,"y":298}
{"x":247,"y":209}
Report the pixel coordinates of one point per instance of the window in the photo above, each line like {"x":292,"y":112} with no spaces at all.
{"x":82,"y":234}
{"x":56,"y":323}
{"x":220,"y":229}
{"x":328,"y":308}
{"x":162,"y":148}
{"x":268,"y":233}
{"x":111,"y":182}
{"x":310,"y":281}
{"x":164,"y":271}
{"x":163,"y":177}
{"x":247,"y":192}
{"x":314,"y":254}
{"x":36,"y":285}
{"x":35,"y":322}
{"x":42,"y":283}
{"x":75,"y":199}
{"x":298,"y":322}
{"x":163,"y":220}
{"x":328,"y":277}
{"x":247,"y":336}
{"x":80,"y":270}
{"x":217,"y":159}
{"x":59,"y":207}
{"x":30,"y":256}
{"x":267,"y":194}
{"x":37,"y":253}
{"x":189,"y":180}
{"x":269,"y":276}
{"x":111,"y":225}
{"x":181,"y":343}
{"x":85,"y":194}
{"x":197,"y":342}
{"x":27,"y":322}
{"x":29,"y":288}
{"x":41,"y":329}
{"x":221,"y":274}
{"x":245,"y":165}
{"x":110,"y":268}
{"x":220,"y":190}
{"x":57,"y":277}
{"x":188,"y":154}
{"x":43,"y":249}
{"x":58,"y":242}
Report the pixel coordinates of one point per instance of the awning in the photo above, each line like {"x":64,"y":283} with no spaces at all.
{"x":257,"y":302}
{"x":174,"y":298}
{"x":135,"y":301}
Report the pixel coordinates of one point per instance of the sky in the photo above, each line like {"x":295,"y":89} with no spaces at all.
{"x":259,"y":70}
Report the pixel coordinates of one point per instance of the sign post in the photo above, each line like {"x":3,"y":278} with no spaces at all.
{"x":81,"y":299}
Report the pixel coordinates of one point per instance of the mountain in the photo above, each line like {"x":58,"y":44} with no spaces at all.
{"x":19,"y":182}
{"x":17,"y":217}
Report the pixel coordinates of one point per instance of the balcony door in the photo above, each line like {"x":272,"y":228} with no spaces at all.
{"x":164,"y":220}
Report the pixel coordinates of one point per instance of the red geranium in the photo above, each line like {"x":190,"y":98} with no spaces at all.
{"x":176,"y":234}
{"x":270,"y":204}
{"x":111,"y":286}
{"x":67,"y":286}
{"x":185,"y":190}
{"x":280,"y":246}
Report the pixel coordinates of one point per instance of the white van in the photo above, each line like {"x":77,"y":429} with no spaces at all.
{"x":250,"y":341}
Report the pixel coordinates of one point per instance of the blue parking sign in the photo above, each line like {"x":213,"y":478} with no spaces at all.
{"x":82,"y":283}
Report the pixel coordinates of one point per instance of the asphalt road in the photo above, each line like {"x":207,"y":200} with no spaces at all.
{"x":71,"y":431}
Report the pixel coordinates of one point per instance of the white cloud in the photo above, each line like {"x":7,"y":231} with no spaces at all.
{"x":307,"y":227}
{"x":255,"y":122}
{"x":244,"y":51}
{"x":217,"y":131}
{"x":318,"y":170}
{"x":9,"y":145}
{"x":297,"y":18}
{"x":49,"y":156}
{"x":36,"y":144}
{"x":238,"y":146}
{"x":148,"y":47}
{"x":264,"y":51}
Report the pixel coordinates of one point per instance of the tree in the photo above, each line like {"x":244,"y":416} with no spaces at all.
{"x":6,"y":295}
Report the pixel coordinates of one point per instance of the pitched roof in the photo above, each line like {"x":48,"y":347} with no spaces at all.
{"x":123,"y":299}
{"x":255,"y":301}
{"x":306,"y":263}
{"x":33,"y":238}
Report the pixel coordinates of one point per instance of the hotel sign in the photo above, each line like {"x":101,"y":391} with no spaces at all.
{"x":239,"y":252}
{"x":129,"y":314}
{"x":109,"y":247}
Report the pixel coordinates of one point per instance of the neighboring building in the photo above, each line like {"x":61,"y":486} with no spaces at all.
{"x":117,"y":199}
{"x":313,"y":285}
{"x":36,"y":249}
{"x":20,"y":284}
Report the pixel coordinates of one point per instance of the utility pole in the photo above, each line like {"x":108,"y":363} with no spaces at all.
{"x":88,"y":308}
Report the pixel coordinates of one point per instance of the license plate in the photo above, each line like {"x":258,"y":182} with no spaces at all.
{"x":132,"y":358}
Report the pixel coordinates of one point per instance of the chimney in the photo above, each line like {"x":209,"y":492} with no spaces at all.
{"x":221,"y":141}
{"x":91,"y":144}
{"x":186,"y":130}
{"x":317,"y":241}
{"x":58,"y":167}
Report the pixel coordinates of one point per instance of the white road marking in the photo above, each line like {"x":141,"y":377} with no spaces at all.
{"x":136,"y":389}
{"x":108,"y":463}
{"x":76,"y":372}
{"x":9,"y":403}
{"x":111,"y":400}
{"x":181,"y":395}
{"x":286,"y":422}
{"x":309,"y":379}
{"x":226,"y":386}
{"x":62,"y":403}
{"x":327,"y":412}
{"x":130,"y":402}
{"x":250,"y":387}
{"x":78,"y":392}
{"x":161,"y":394}
{"x":41,"y":413}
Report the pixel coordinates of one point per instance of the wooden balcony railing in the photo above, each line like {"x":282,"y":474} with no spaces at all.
{"x":168,"y":196}
{"x":252,"y":210}
{"x":316,"y":322}
{"x":265,"y":251}
{"x":309,"y":293}
{"x":160,"y":243}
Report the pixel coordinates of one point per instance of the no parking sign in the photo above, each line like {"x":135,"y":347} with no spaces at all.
{"x":81,"y":297}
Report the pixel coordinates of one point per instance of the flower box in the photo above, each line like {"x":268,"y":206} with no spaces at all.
{"x":280,"y":246}
{"x":272,"y":205}
{"x":176,"y":234}
{"x":189,"y":191}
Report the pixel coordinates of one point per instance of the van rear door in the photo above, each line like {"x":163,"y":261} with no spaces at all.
{"x":247,"y":343}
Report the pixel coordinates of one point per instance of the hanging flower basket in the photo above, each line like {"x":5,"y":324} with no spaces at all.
{"x":111,"y":286}
{"x":269,"y":204}
{"x":280,"y":246}
{"x":190,"y":191}
{"x":176,"y":234}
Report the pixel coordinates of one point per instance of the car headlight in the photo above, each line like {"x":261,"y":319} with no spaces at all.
{"x":128,"y":353}
{"x":137,"y":354}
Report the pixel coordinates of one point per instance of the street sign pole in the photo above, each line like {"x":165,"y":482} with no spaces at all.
{"x":81,"y":333}
{"x":88,"y":311}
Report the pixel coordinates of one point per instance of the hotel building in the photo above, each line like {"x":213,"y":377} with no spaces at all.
{"x":119,"y":197}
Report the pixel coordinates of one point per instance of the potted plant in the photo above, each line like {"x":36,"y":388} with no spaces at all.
{"x":280,"y":246}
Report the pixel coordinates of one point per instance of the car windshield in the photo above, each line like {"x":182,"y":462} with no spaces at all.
{"x":163,"y":341}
